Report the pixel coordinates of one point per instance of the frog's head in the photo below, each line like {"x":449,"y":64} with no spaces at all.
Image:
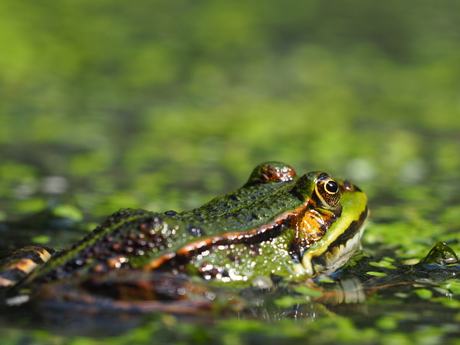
{"x":319,"y":190}
{"x":332,"y":225}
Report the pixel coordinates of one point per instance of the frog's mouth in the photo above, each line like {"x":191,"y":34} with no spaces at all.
{"x":334,"y":249}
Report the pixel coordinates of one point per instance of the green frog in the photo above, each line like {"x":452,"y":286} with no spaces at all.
{"x":275,"y":225}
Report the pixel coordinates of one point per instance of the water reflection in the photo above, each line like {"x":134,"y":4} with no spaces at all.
{"x":127,"y":298}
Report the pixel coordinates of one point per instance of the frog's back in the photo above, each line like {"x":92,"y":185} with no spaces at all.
{"x":247,"y":208}
{"x":131,"y":238}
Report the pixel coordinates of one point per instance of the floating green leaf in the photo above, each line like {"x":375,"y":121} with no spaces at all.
{"x":377,"y":274}
{"x":308,"y":291}
{"x":383,"y":263}
{"x":423,"y":293}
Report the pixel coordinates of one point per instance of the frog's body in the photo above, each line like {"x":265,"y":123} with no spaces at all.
{"x":275,"y":224}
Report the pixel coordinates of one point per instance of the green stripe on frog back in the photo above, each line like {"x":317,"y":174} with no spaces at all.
{"x":113,"y":226}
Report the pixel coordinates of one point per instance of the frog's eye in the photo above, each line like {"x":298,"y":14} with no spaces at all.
{"x":331,"y":187}
{"x":328,"y":191}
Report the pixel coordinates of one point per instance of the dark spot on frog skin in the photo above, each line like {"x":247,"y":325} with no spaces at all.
{"x":170,"y":213}
{"x":253,"y":216}
{"x":254,"y":249}
{"x":209,"y":271}
{"x":13,"y":274}
{"x":235,"y":258}
{"x":233,"y":197}
{"x":276,"y":279}
{"x":195,"y":230}
{"x":249,"y":219}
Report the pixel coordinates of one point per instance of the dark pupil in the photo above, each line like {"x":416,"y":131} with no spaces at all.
{"x":332,"y":187}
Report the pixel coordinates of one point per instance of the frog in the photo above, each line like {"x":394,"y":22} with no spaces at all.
{"x":278,"y":225}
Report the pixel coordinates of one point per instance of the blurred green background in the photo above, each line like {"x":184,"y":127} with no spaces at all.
{"x":164,"y":104}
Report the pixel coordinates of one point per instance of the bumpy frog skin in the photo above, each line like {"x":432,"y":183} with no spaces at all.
{"x":275,"y":225}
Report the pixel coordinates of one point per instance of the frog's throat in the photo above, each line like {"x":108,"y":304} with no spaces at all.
{"x":336,"y":247}
{"x":190,"y":251}
{"x":311,"y":227}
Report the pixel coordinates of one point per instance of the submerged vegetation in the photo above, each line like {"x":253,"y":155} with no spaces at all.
{"x":166,"y":104}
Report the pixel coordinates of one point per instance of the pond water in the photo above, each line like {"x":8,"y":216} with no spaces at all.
{"x":166,"y":105}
